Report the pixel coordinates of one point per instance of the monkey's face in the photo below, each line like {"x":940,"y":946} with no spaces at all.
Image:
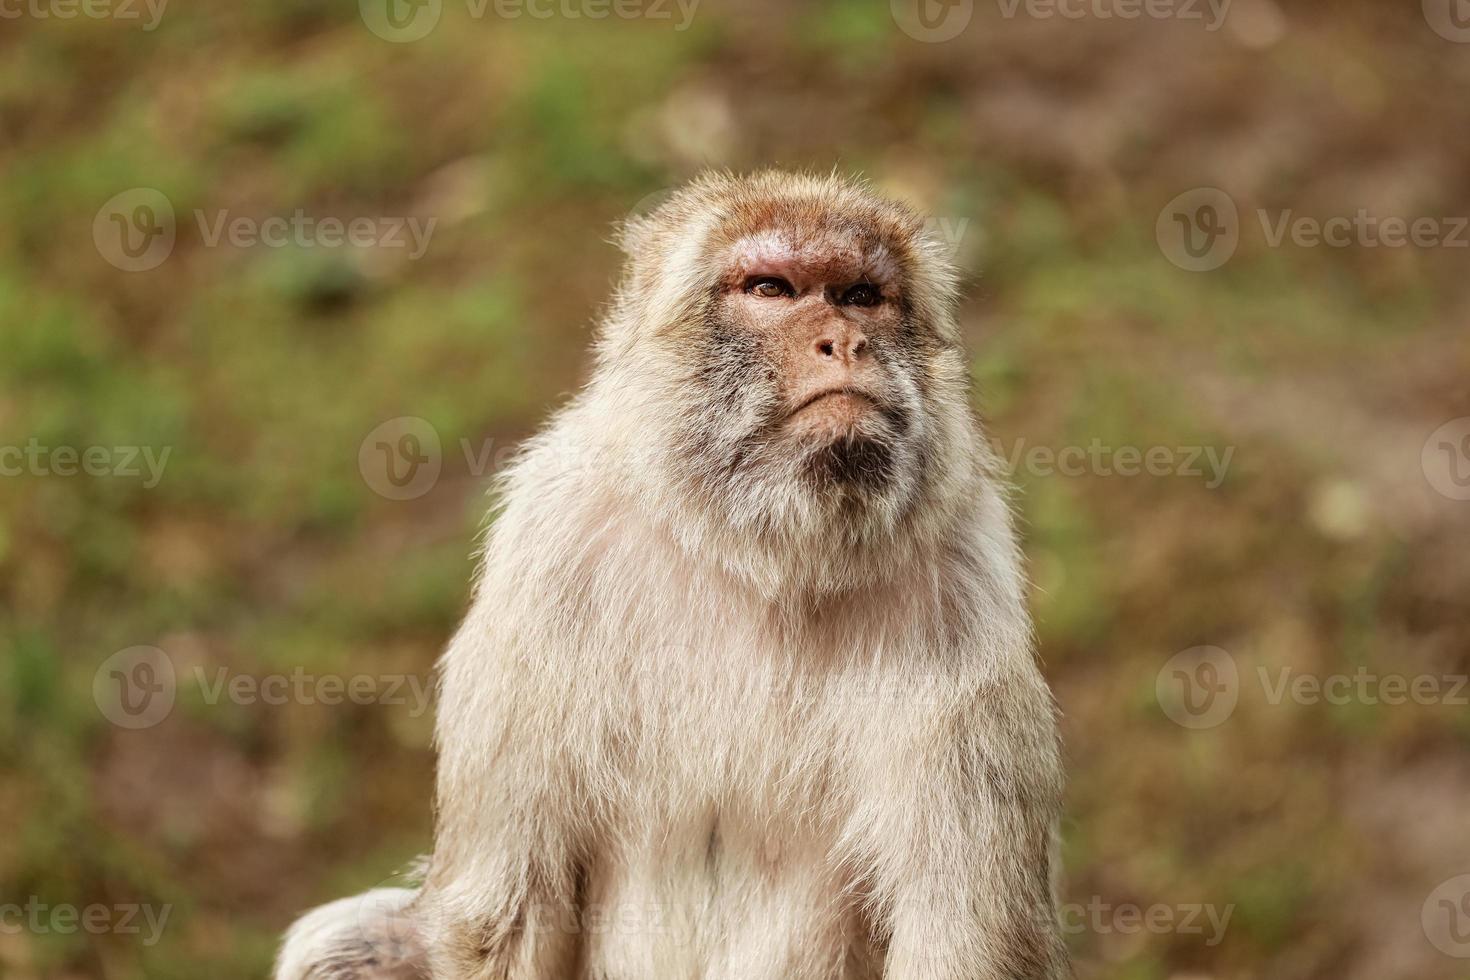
{"x":809,"y":381}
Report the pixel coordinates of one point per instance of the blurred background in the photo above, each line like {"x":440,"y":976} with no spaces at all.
{"x":282,"y":284}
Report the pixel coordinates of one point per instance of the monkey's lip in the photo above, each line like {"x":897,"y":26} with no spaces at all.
{"x":845,"y":399}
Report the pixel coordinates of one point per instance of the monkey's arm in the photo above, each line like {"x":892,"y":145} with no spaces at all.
{"x":501,"y":883}
{"x":967,"y":875}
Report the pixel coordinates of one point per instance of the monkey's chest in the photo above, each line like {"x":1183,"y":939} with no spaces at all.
{"x":722,"y":893}
{"x":719,"y":858}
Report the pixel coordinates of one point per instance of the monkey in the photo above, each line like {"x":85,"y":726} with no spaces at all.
{"x":747,"y":689}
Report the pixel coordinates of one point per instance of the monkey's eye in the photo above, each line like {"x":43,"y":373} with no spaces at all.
{"x":769,"y":287}
{"x":863,"y":294}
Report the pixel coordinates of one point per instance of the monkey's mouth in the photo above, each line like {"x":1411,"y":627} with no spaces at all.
{"x":845,"y":399}
{"x":844,"y":438}
{"x":836,"y":412}
{"x":846,"y":413}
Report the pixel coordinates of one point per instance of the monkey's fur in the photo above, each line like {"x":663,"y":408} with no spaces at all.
{"x":744,"y":693}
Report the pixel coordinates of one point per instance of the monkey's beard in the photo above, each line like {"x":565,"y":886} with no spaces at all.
{"x":762,"y":475}
{"x":851,"y":462}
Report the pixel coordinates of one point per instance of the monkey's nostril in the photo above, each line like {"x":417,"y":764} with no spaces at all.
{"x":860,"y":347}
{"x":825,"y":348}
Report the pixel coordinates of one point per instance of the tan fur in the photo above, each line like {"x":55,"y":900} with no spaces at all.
{"x":756,"y":732}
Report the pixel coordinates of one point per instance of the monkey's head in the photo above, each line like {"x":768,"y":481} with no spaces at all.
{"x":785,"y":352}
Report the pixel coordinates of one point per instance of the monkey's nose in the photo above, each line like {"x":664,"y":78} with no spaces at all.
{"x":842,"y":345}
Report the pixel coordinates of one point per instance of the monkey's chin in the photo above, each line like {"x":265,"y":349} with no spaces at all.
{"x":851,"y":461}
{"x":845,"y":443}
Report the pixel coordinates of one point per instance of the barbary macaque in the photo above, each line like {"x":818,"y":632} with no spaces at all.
{"x":747,"y":689}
